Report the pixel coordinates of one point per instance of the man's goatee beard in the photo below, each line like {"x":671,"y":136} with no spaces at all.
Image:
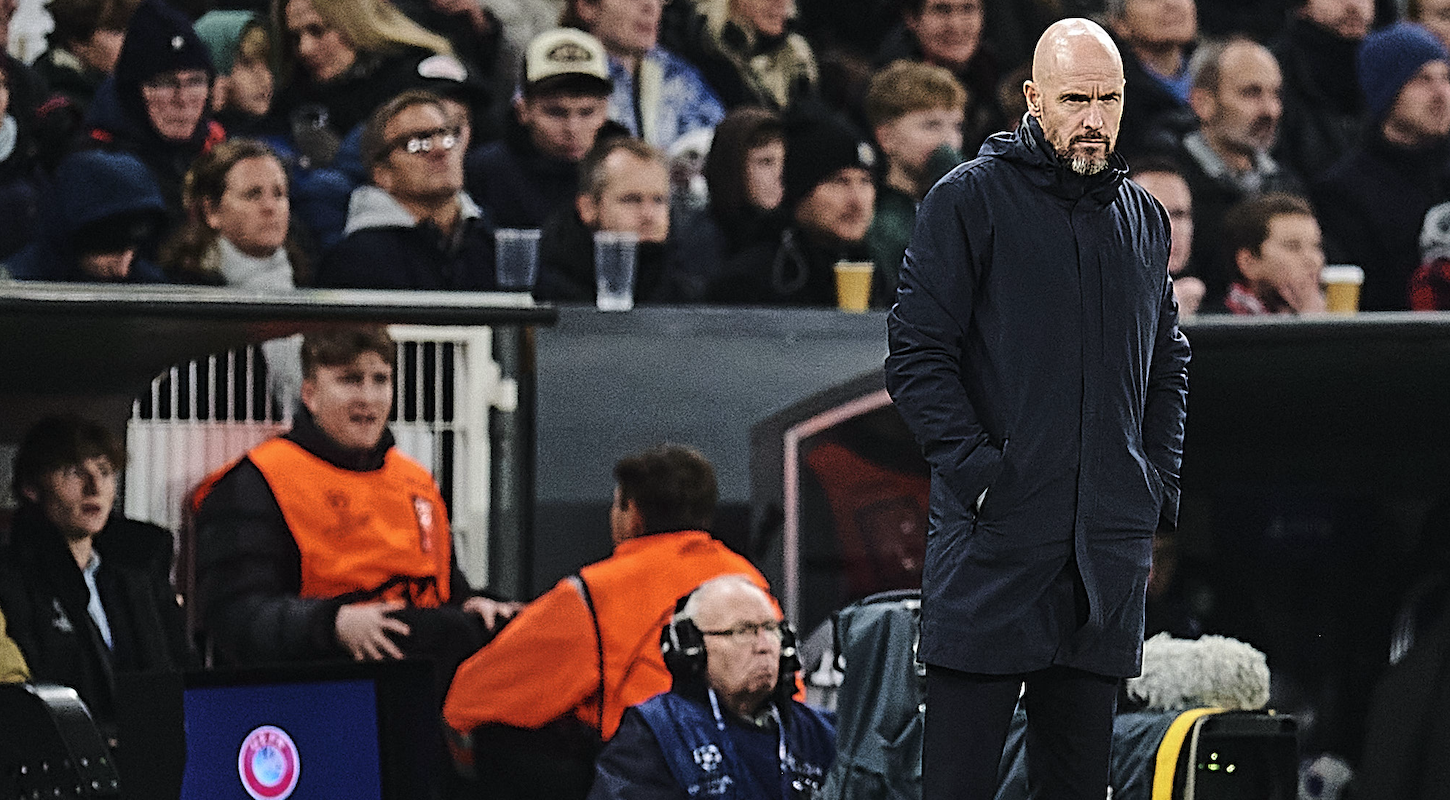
{"x":1083,"y":165}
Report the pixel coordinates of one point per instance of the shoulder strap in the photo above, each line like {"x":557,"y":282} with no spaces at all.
{"x":583,"y":587}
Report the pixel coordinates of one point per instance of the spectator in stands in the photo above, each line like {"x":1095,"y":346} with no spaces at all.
{"x":22,"y":182}
{"x":546,"y":664}
{"x":340,"y":60}
{"x":1235,"y":96}
{"x":13,"y":668}
{"x":658,"y":96}
{"x":274,"y":581}
{"x":87,"y":593}
{"x":749,"y":54}
{"x":413,"y":227}
{"x":155,"y":106}
{"x":1434,"y":15}
{"x":742,"y":174}
{"x":83,"y":47}
{"x":1277,"y":254}
{"x":830,"y":194}
{"x":1430,"y":282}
{"x":240,"y":51}
{"x":1374,"y":201}
{"x":915,"y":113}
{"x":1156,"y":38}
{"x":624,"y":185}
{"x":238,"y":233}
{"x":28,"y":89}
{"x":563,"y":104}
{"x":1162,"y":178}
{"x":948,"y":34}
{"x":733,"y":664}
{"x":97,"y":227}
{"x":1323,"y":112}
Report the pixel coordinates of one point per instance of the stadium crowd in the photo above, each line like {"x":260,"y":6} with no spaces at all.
{"x":749,"y":144}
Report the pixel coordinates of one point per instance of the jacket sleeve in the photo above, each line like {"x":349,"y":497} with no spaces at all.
{"x":632,"y":766}
{"x":927,"y":333}
{"x":12,"y":663}
{"x":1167,"y":404}
{"x":541,"y":666}
{"x":249,"y":576}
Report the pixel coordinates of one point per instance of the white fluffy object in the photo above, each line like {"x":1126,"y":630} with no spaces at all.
{"x":1212,"y":671}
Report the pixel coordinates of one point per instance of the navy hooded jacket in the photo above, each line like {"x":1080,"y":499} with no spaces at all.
{"x":1035,"y":355}
{"x":90,"y":186}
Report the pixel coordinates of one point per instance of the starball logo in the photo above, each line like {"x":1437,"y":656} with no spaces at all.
{"x":268,"y":764}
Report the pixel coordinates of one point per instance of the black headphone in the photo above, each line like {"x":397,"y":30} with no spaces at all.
{"x":683,"y":647}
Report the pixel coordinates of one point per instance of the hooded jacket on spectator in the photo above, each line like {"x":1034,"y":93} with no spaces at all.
{"x":386,"y":248}
{"x":94,"y":189}
{"x":159,"y":40}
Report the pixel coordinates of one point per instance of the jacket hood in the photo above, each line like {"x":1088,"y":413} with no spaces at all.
{"x":94,"y":184}
{"x":371,"y":207}
{"x":1029,"y":150}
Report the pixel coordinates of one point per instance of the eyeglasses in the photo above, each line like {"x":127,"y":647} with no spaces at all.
{"x":747,"y":631}
{"x":175,"y":84}
{"x":423,"y":141}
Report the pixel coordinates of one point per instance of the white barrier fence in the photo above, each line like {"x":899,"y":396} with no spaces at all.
{"x":201,"y":416}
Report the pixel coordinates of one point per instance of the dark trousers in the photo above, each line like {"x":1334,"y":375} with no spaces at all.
{"x":1069,"y":733}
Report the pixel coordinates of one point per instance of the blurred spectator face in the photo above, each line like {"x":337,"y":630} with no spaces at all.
{"x":840,"y":207}
{"x":563,"y":126}
{"x":7,"y":13}
{"x":323,"y":50}
{"x":635,"y":197}
{"x":1158,"y":23}
{"x":948,"y":31}
{"x":107,"y":267}
{"x":625,"y":27}
{"x":1291,"y":253}
{"x":1172,"y":191}
{"x":1243,"y":114}
{"x":764,"y":171}
{"x":249,"y":87}
{"x":910,"y":139}
{"x":767,"y":16}
{"x":1435,"y":16}
{"x":1348,"y":18}
{"x":1421,"y":113}
{"x":100,"y":51}
{"x":253,"y":211}
{"x":175,"y":101}
{"x":77,"y":498}
{"x":425,"y":161}
{"x":350,"y":402}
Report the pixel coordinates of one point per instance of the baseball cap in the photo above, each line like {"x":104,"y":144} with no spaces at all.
{"x":565,"y":58}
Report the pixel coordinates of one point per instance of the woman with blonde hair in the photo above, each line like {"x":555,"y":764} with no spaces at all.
{"x":337,"y":60}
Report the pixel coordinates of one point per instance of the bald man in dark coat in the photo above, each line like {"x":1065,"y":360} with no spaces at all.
{"x":1035,"y":355}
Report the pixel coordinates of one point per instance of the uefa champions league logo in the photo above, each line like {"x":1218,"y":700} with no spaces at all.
{"x":268,"y":764}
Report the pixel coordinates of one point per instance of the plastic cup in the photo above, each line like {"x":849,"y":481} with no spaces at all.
{"x":516,"y":258}
{"x":614,"y":264}
{"x":853,"y":285}
{"x":1341,"y":287}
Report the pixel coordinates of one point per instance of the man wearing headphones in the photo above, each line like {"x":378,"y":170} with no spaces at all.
{"x":728,"y":727}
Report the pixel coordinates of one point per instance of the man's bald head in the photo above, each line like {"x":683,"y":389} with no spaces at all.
{"x":1066,"y":42}
{"x":1076,"y":92}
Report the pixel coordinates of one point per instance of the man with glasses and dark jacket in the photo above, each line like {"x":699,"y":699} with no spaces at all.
{"x":413,"y":226}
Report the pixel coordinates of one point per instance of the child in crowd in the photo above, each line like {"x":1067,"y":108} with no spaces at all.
{"x":915,"y":112}
{"x":1278,"y":254}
